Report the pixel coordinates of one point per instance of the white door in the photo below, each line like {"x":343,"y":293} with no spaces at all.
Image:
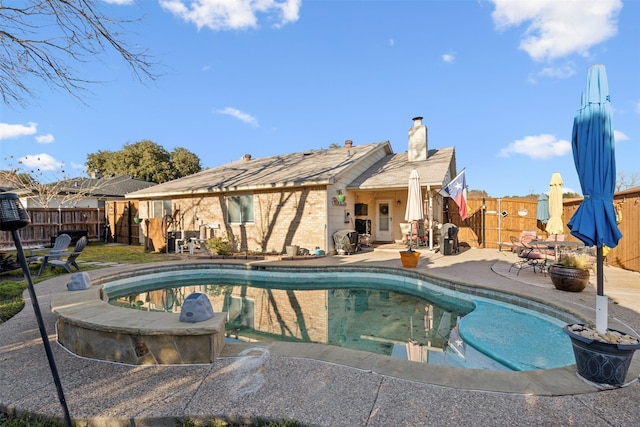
{"x":384,"y":221}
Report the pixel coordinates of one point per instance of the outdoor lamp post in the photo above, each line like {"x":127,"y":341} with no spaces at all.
{"x":13,"y":217}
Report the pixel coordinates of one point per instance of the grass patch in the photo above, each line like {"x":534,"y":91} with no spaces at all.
{"x":8,"y":419}
{"x":13,"y":284}
{"x":101,"y":252}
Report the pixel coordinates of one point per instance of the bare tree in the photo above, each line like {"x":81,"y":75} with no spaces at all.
{"x":48,"y":188}
{"x":625,"y":181}
{"x":45,"y":39}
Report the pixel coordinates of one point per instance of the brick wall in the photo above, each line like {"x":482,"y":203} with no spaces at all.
{"x":281,"y":218}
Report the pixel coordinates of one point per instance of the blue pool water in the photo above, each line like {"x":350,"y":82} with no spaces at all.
{"x":384,"y":313}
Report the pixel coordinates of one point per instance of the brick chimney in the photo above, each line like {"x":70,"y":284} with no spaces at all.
{"x":418,"y":141}
{"x":348,"y":143}
{"x":247,"y":157}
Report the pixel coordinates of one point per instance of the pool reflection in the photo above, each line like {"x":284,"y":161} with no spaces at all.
{"x":378,"y":321}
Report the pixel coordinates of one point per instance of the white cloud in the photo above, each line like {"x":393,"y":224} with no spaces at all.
{"x":232,"y":15}
{"x":45,"y":139}
{"x":619,"y":136}
{"x":563,"y":72}
{"x":541,"y":146}
{"x":392,"y":42}
{"x":559,"y":28}
{"x":42,"y":161}
{"x":247,"y":118}
{"x":8,"y":131}
{"x":637,"y":107}
{"x":449,"y":58}
{"x":78,"y":166}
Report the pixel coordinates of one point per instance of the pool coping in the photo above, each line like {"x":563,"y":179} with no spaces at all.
{"x":551,"y":382}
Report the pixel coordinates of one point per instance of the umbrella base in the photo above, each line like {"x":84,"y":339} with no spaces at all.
{"x":600,"y":362}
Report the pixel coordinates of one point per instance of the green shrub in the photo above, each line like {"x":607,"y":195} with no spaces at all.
{"x":576,"y":261}
{"x":11,"y":290}
{"x":11,"y":301}
{"x":219,"y":246}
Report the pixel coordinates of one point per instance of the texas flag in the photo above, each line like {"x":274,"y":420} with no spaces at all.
{"x":457,"y":190}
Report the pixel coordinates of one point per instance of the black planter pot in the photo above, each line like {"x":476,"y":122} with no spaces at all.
{"x":600,"y":362}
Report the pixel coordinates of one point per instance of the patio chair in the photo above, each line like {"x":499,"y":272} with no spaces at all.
{"x":417,"y":234}
{"x":60,"y":245}
{"x":69,"y":262}
{"x":515,"y":244}
{"x":529,"y":256}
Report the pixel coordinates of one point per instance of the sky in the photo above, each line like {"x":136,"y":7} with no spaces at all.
{"x":499,"y":80}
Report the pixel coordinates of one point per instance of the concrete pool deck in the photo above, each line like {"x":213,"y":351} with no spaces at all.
{"x":325,"y":386}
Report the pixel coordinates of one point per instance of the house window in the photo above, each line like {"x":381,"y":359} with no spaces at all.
{"x":160,"y":208}
{"x":240,"y":209}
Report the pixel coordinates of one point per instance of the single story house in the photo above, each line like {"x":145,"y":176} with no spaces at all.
{"x":266,"y":204}
{"x":73,"y":192}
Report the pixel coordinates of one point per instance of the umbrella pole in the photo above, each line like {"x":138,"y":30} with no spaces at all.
{"x":601,"y":298}
{"x":599,"y":272}
{"x":410,"y":235}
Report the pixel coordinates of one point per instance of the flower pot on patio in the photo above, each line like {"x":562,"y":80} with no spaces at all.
{"x":602,"y":362}
{"x":409,"y":258}
{"x":292,"y":250}
{"x":568,"y":278}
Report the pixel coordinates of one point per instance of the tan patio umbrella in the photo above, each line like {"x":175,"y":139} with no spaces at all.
{"x":414,"y":210}
{"x":554,"y":225}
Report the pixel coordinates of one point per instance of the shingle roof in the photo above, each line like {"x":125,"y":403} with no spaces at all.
{"x":393,"y":170}
{"x":313,"y":167}
{"x":111,"y":186}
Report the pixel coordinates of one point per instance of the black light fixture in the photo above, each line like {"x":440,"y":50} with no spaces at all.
{"x":13,"y":217}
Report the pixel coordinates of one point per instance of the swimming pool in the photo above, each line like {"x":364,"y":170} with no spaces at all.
{"x":393,"y":313}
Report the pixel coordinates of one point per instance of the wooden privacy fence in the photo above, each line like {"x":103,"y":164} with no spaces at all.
{"x":121,"y":216}
{"x":45,"y":224}
{"x":627,"y":204}
{"x":118,"y":223}
{"x":509,"y":216}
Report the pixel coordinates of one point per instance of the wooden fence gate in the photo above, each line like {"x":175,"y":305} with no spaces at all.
{"x":120,"y":221}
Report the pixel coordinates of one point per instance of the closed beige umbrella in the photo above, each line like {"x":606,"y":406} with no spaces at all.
{"x":414,"y":211}
{"x":555,"y":225}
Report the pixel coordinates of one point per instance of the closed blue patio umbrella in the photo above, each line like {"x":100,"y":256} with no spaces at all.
{"x":594,"y":156}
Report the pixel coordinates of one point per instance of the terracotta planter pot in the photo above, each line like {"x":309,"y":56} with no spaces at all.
{"x":409,"y":258}
{"x":568,"y":278}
